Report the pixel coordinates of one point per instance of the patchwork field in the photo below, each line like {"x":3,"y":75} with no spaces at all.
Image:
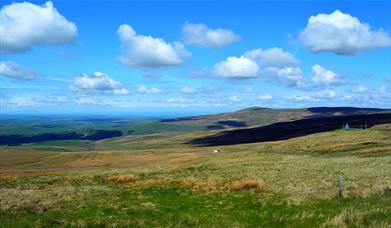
{"x":158,"y":180}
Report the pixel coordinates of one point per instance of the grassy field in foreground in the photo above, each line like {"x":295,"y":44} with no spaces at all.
{"x":156,"y":180}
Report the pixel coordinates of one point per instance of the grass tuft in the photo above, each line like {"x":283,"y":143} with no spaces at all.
{"x":123,"y":178}
{"x":175,"y":170}
{"x":242,"y":185}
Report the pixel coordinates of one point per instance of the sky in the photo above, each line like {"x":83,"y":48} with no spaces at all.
{"x":183,"y":58}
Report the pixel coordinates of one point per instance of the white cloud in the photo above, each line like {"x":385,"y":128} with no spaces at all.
{"x":326,"y":94}
{"x":14,"y":70}
{"x":341,"y":34}
{"x":288,"y":76}
{"x":188,"y":90}
{"x":146,"y":90}
{"x":203,"y":36}
{"x":347,"y":98}
{"x":25,"y":25}
{"x":278,"y":63}
{"x":265,"y":97}
{"x":23,"y":101}
{"x":97,"y":83}
{"x":121,"y":91}
{"x":312,"y":97}
{"x":180,"y":100}
{"x":236,"y":67}
{"x":275,"y":57}
{"x":301,"y":98}
{"x":147,"y":51}
{"x":89,"y":101}
{"x":56,"y":99}
{"x":381,"y":94}
{"x":360,"y":89}
{"x":322,"y":76}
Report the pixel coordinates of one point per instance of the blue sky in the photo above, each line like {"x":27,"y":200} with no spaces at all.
{"x":100,"y":57}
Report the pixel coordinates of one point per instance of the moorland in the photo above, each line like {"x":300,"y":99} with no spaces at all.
{"x":152,"y":174}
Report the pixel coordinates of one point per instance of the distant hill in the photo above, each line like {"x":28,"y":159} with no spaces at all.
{"x":41,"y":129}
{"x":256,"y":116}
{"x":337,"y":111}
{"x":291,"y":129}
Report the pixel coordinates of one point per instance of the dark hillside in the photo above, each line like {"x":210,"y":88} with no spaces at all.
{"x":286,"y":130}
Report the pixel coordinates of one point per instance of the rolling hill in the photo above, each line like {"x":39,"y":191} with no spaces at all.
{"x":256,"y":116}
{"x":286,"y":130}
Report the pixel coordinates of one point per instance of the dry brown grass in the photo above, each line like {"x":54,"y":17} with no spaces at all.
{"x":385,"y":149}
{"x":368,"y":143}
{"x":241,"y":185}
{"x":14,"y":174}
{"x":151,"y":183}
{"x":211,"y":184}
{"x":175,"y":170}
{"x":123,"y":178}
{"x":183,"y":159}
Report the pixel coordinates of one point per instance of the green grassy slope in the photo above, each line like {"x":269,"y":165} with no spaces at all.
{"x":159,"y":182}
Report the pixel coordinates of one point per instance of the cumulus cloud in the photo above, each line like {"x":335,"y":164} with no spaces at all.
{"x":265,"y":97}
{"x":97,"y":83}
{"x":188,"y":90}
{"x":25,"y":25}
{"x":288,"y":76}
{"x":275,"y":61}
{"x":275,"y":57}
{"x":259,"y":63}
{"x":382,"y":92}
{"x":322,"y":76}
{"x":236,"y":67}
{"x":146,"y":90}
{"x":200,"y":34}
{"x":14,"y":70}
{"x":341,"y":34}
{"x":147,"y":51}
{"x":121,"y":91}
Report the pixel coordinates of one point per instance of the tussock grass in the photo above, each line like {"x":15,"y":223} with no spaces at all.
{"x":175,"y":170}
{"x":210,"y":184}
{"x":242,"y":185}
{"x":130,"y":178}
